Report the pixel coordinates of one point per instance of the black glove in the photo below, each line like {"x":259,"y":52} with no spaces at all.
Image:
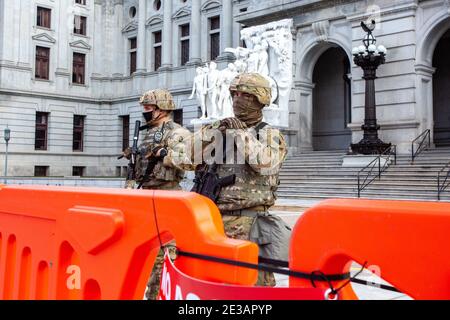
{"x":162,"y":152}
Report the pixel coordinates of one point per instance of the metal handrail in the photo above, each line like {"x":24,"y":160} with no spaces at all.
{"x":391,"y":151}
{"x":426,"y":136}
{"x":446,"y":182}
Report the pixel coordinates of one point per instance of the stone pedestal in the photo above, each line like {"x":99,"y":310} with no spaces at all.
{"x":361,"y":161}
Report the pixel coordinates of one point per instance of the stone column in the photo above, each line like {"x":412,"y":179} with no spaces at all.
{"x":65,"y":24}
{"x":194,"y":32}
{"x":141,"y":43}
{"x":7,"y":38}
{"x":424,"y":96}
{"x":167,"y":35}
{"x":98,"y":32}
{"x":305,"y":100}
{"x":16,"y":33}
{"x":226,"y":29}
{"x":25,"y":24}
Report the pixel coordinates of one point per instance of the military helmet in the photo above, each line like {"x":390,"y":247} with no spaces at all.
{"x":253,"y":83}
{"x":159,"y":97}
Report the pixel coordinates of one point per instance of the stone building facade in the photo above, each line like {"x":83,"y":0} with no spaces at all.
{"x":327,"y":103}
{"x":129,"y":46}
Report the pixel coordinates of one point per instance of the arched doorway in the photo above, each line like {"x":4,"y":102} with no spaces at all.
{"x":441,"y":92}
{"x":331,"y":101}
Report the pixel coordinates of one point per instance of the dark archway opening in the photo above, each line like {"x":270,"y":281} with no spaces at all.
{"x":332,"y":101}
{"x":441,"y":92}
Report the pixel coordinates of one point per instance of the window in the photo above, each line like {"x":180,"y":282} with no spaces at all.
{"x":44,"y":17}
{"x":157,"y":40}
{"x":42,"y":63}
{"x":184,"y":30}
{"x":125,"y":132}
{"x":41,"y":171}
{"x":40,"y":137}
{"x":78,"y":171}
{"x":214,"y":37}
{"x":83,"y":2}
{"x":178,"y":116}
{"x":157,"y":5}
{"x":78,"y":133}
{"x":78,"y":68}
{"x":80,"y":25}
{"x":133,"y":49}
{"x":132,"y":12}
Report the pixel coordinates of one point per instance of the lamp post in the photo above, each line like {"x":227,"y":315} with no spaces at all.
{"x":369,"y":57}
{"x":7,"y":136}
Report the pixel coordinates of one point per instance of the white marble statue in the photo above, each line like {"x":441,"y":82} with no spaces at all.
{"x":253,"y":59}
{"x":225,"y":104}
{"x":241,"y":66}
{"x":213,"y":91}
{"x":268,"y":52}
{"x":200,"y":89}
{"x":263,"y":59}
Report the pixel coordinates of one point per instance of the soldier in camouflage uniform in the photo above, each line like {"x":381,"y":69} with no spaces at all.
{"x":162,"y":146}
{"x":244,"y":205}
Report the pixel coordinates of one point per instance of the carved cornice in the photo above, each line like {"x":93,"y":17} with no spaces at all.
{"x":154,"y":20}
{"x":80,"y":44}
{"x":44,"y":38}
{"x":211,"y":5}
{"x":181,"y":13}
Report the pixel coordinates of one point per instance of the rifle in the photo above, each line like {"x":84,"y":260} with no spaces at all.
{"x":131,"y":174}
{"x":208,"y":183}
{"x":153,"y":160}
{"x":151,"y":165}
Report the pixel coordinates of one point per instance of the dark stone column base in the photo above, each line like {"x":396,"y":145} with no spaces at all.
{"x":368,"y":147}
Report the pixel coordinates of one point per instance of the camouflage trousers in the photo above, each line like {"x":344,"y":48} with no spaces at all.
{"x":153,"y":283}
{"x":155,"y":278}
{"x":239,"y":228}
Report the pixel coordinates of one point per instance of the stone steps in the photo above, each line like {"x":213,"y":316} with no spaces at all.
{"x":320,"y":175}
{"x":364,"y":196}
{"x":351,"y":183}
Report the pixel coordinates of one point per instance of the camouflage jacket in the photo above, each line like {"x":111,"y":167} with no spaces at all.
{"x":256,"y":161}
{"x":167,"y":169}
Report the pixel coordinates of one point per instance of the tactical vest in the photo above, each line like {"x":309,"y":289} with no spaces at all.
{"x":161,"y":175}
{"x":250,"y":190}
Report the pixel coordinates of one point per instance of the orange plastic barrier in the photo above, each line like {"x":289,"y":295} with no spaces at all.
{"x":408,"y":241}
{"x":89,"y":243}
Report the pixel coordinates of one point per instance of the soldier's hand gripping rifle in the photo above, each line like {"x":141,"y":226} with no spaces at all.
{"x":133,"y":153}
{"x":208,"y":183}
{"x":153,"y":159}
{"x":155,"y":155}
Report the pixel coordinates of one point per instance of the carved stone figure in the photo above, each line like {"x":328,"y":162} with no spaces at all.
{"x":225,"y":103}
{"x":268,"y":52}
{"x":213,"y":90}
{"x":200,"y":89}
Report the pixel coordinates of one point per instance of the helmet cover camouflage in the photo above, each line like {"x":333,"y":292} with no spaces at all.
{"x":160,"y":97}
{"x":253,"y":83}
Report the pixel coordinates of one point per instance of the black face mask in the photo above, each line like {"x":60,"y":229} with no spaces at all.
{"x":148,"y":116}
